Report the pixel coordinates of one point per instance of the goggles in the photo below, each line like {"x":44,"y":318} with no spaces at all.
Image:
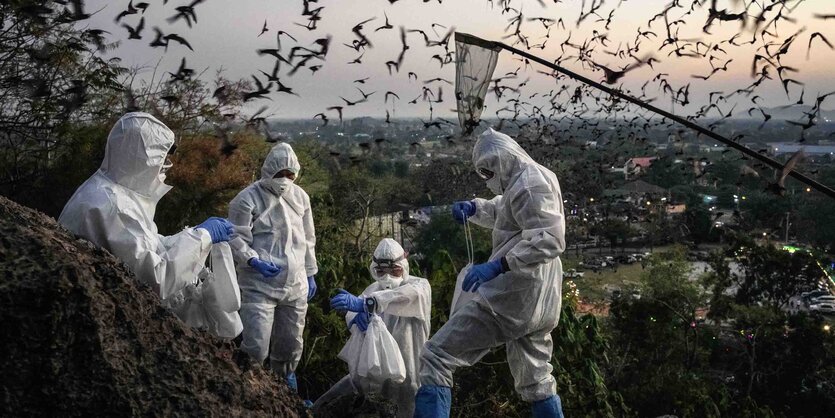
{"x":484,"y":173}
{"x":391,"y":267}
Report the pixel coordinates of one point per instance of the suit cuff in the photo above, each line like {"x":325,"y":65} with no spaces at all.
{"x":505,"y":267}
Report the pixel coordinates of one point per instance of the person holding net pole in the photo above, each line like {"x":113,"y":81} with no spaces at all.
{"x":519,"y":299}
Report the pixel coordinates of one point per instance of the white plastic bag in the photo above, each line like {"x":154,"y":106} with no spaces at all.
{"x":350,"y":353}
{"x":212,"y":303}
{"x":380,"y":359}
{"x":222,"y":290}
{"x":373,"y":357}
{"x":222,"y":324}
{"x":460,"y":297}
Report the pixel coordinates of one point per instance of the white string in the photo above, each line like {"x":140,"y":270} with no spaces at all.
{"x":468,"y":240}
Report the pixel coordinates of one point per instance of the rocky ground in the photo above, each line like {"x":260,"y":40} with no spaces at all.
{"x":81,"y":337}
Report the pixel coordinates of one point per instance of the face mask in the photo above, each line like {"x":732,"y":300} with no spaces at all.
{"x":389,"y":282}
{"x":277,"y":186}
{"x":495,"y":185}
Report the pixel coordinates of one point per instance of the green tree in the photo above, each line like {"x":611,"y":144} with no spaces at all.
{"x":659,"y":349}
{"x":52,"y":82}
{"x":781,"y":361}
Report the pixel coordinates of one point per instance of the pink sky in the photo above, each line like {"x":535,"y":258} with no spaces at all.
{"x":226,"y":37}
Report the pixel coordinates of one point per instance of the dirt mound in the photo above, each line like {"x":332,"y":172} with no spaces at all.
{"x":81,"y":337}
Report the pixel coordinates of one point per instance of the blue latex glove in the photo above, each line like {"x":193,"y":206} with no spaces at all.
{"x":463,"y":210}
{"x":266,"y":268}
{"x":360,"y":320}
{"x":311,"y":287}
{"x":481,"y":273}
{"x":345,"y":301}
{"x":219,"y":229}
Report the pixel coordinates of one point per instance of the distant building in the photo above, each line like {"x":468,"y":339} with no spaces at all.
{"x":634,"y":167}
{"x":637,"y":190}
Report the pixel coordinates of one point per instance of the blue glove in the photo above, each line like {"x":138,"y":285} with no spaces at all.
{"x":219,"y":229}
{"x":311,"y":287}
{"x":481,"y":273}
{"x":360,"y":320}
{"x":463,"y":210}
{"x":266,"y":268}
{"x":345,"y":301}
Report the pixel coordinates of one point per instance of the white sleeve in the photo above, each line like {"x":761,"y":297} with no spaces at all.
{"x":167,"y":264}
{"x":485,"y":212}
{"x":240,"y":215}
{"x":411,"y":299}
{"x":538,"y":211}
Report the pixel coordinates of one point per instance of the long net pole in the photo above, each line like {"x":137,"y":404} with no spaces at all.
{"x":704,"y":131}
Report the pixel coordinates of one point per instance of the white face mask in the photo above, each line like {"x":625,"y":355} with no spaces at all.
{"x":495,"y":185}
{"x":277,"y":186}
{"x":389,"y":282}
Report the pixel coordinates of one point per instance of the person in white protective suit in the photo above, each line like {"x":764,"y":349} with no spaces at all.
{"x":115,"y":209}
{"x":274,"y":224}
{"x":519,"y":288}
{"x":404,"y":303}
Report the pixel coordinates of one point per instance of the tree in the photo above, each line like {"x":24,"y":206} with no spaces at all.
{"x":658,"y":347}
{"x":787,"y":358}
{"x":613,"y":229}
{"x":52,"y":80}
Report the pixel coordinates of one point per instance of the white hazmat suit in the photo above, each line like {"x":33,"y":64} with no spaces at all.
{"x":273,"y":222}
{"x":520,"y":307}
{"x":405,"y":306}
{"x":115,"y":208}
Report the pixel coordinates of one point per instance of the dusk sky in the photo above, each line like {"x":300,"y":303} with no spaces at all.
{"x":226,"y":36}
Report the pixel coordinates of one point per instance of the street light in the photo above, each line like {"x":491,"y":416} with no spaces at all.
{"x":826,"y":327}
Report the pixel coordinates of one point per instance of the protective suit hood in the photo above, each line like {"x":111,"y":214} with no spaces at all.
{"x":135,"y":153}
{"x":389,"y":249}
{"x":281,"y":157}
{"x":502,"y":155}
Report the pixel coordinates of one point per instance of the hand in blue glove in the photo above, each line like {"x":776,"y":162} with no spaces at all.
{"x":345,"y":301}
{"x":311,"y":287}
{"x":463,"y":210}
{"x":266,"y":268}
{"x":361,"y":321}
{"x":480,"y":274}
{"x":219,"y":229}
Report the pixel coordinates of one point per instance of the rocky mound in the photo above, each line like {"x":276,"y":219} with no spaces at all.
{"x":81,"y":337}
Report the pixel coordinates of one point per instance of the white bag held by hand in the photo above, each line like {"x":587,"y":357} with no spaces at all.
{"x":459,"y":296}
{"x":380,"y":359}
{"x":350,"y":353}
{"x":223,"y":291}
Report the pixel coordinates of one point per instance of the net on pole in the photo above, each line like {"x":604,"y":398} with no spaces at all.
{"x":475,"y":61}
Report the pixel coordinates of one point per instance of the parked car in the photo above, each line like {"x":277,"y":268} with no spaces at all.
{"x":826,"y":307}
{"x":823,"y":299}
{"x":625,"y":259}
{"x":814,"y":294}
{"x":573,"y":274}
